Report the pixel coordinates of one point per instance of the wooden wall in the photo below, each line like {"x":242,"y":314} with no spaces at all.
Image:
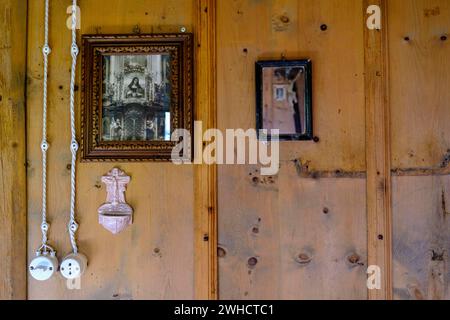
{"x":301,"y":234}
{"x":154,"y":258}
{"x":13,"y":228}
{"x":265,"y":225}
{"x":420,"y":139}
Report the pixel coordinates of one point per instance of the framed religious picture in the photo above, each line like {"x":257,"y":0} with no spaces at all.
{"x":136,"y":90}
{"x":284,"y":99}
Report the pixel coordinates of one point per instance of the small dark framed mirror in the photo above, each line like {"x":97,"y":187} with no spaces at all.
{"x":284,"y":99}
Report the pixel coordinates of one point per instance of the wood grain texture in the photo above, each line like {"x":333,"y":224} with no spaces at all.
{"x":378,"y":159}
{"x":421,"y":238}
{"x":419,"y":82}
{"x":13,"y":228}
{"x":248,"y":31}
{"x":205,"y":181}
{"x":297,"y":235}
{"x":152,"y":259}
{"x":269,"y":227}
{"x":292,"y":238}
{"x":420,"y":77}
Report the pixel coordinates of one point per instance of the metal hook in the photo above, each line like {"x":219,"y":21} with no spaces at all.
{"x":137,"y":29}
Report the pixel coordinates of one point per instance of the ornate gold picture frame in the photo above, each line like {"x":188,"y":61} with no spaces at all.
{"x":136,"y":90}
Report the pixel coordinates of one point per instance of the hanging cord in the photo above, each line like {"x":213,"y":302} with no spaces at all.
{"x":45,"y":248}
{"x":73,"y":226}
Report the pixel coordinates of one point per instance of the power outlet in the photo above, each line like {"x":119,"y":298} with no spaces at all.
{"x":73,"y":266}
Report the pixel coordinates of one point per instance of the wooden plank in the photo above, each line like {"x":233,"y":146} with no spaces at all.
{"x":152,"y":259}
{"x":420,"y":78}
{"x":331,"y":262}
{"x":421,"y":239}
{"x":265,"y":223}
{"x":378,"y":151}
{"x":419,"y":99}
{"x":273,"y":253}
{"x":254,"y":30}
{"x":249,"y":235}
{"x":205,"y":181}
{"x":13,"y":237}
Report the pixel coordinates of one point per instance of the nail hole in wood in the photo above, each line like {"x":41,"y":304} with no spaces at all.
{"x":323,"y":27}
{"x":221,"y":252}
{"x":252,"y":262}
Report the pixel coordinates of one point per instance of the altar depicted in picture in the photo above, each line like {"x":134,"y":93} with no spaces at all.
{"x":136,"y":98}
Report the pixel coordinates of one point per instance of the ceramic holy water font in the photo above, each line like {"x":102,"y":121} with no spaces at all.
{"x":115,"y":215}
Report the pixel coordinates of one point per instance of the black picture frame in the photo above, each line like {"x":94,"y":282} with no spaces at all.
{"x":302,"y":134}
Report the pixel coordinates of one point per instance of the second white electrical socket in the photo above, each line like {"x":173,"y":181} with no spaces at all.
{"x":73,"y":266}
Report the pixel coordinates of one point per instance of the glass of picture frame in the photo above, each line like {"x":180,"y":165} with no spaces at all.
{"x":284,"y":99}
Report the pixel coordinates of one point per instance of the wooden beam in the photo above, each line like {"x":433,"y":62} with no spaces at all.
{"x":13,"y":229}
{"x":378,"y":160}
{"x":206,"y":176}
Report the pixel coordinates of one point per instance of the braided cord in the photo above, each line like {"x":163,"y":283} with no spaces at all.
{"x":44,"y":144}
{"x":73,"y":226}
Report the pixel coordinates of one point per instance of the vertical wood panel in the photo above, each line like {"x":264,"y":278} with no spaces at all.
{"x":420,"y":78}
{"x":248,"y":31}
{"x":267,"y":223}
{"x":378,"y":152}
{"x":13,"y":35}
{"x":421,"y":240}
{"x":308,"y":237}
{"x":420,"y":104}
{"x":205,"y":182}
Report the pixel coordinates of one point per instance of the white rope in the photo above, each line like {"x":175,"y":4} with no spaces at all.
{"x":73,"y":226}
{"x":45,"y":248}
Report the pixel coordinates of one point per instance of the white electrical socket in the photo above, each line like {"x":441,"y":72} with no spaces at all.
{"x":43,"y":267}
{"x":73,"y":266}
